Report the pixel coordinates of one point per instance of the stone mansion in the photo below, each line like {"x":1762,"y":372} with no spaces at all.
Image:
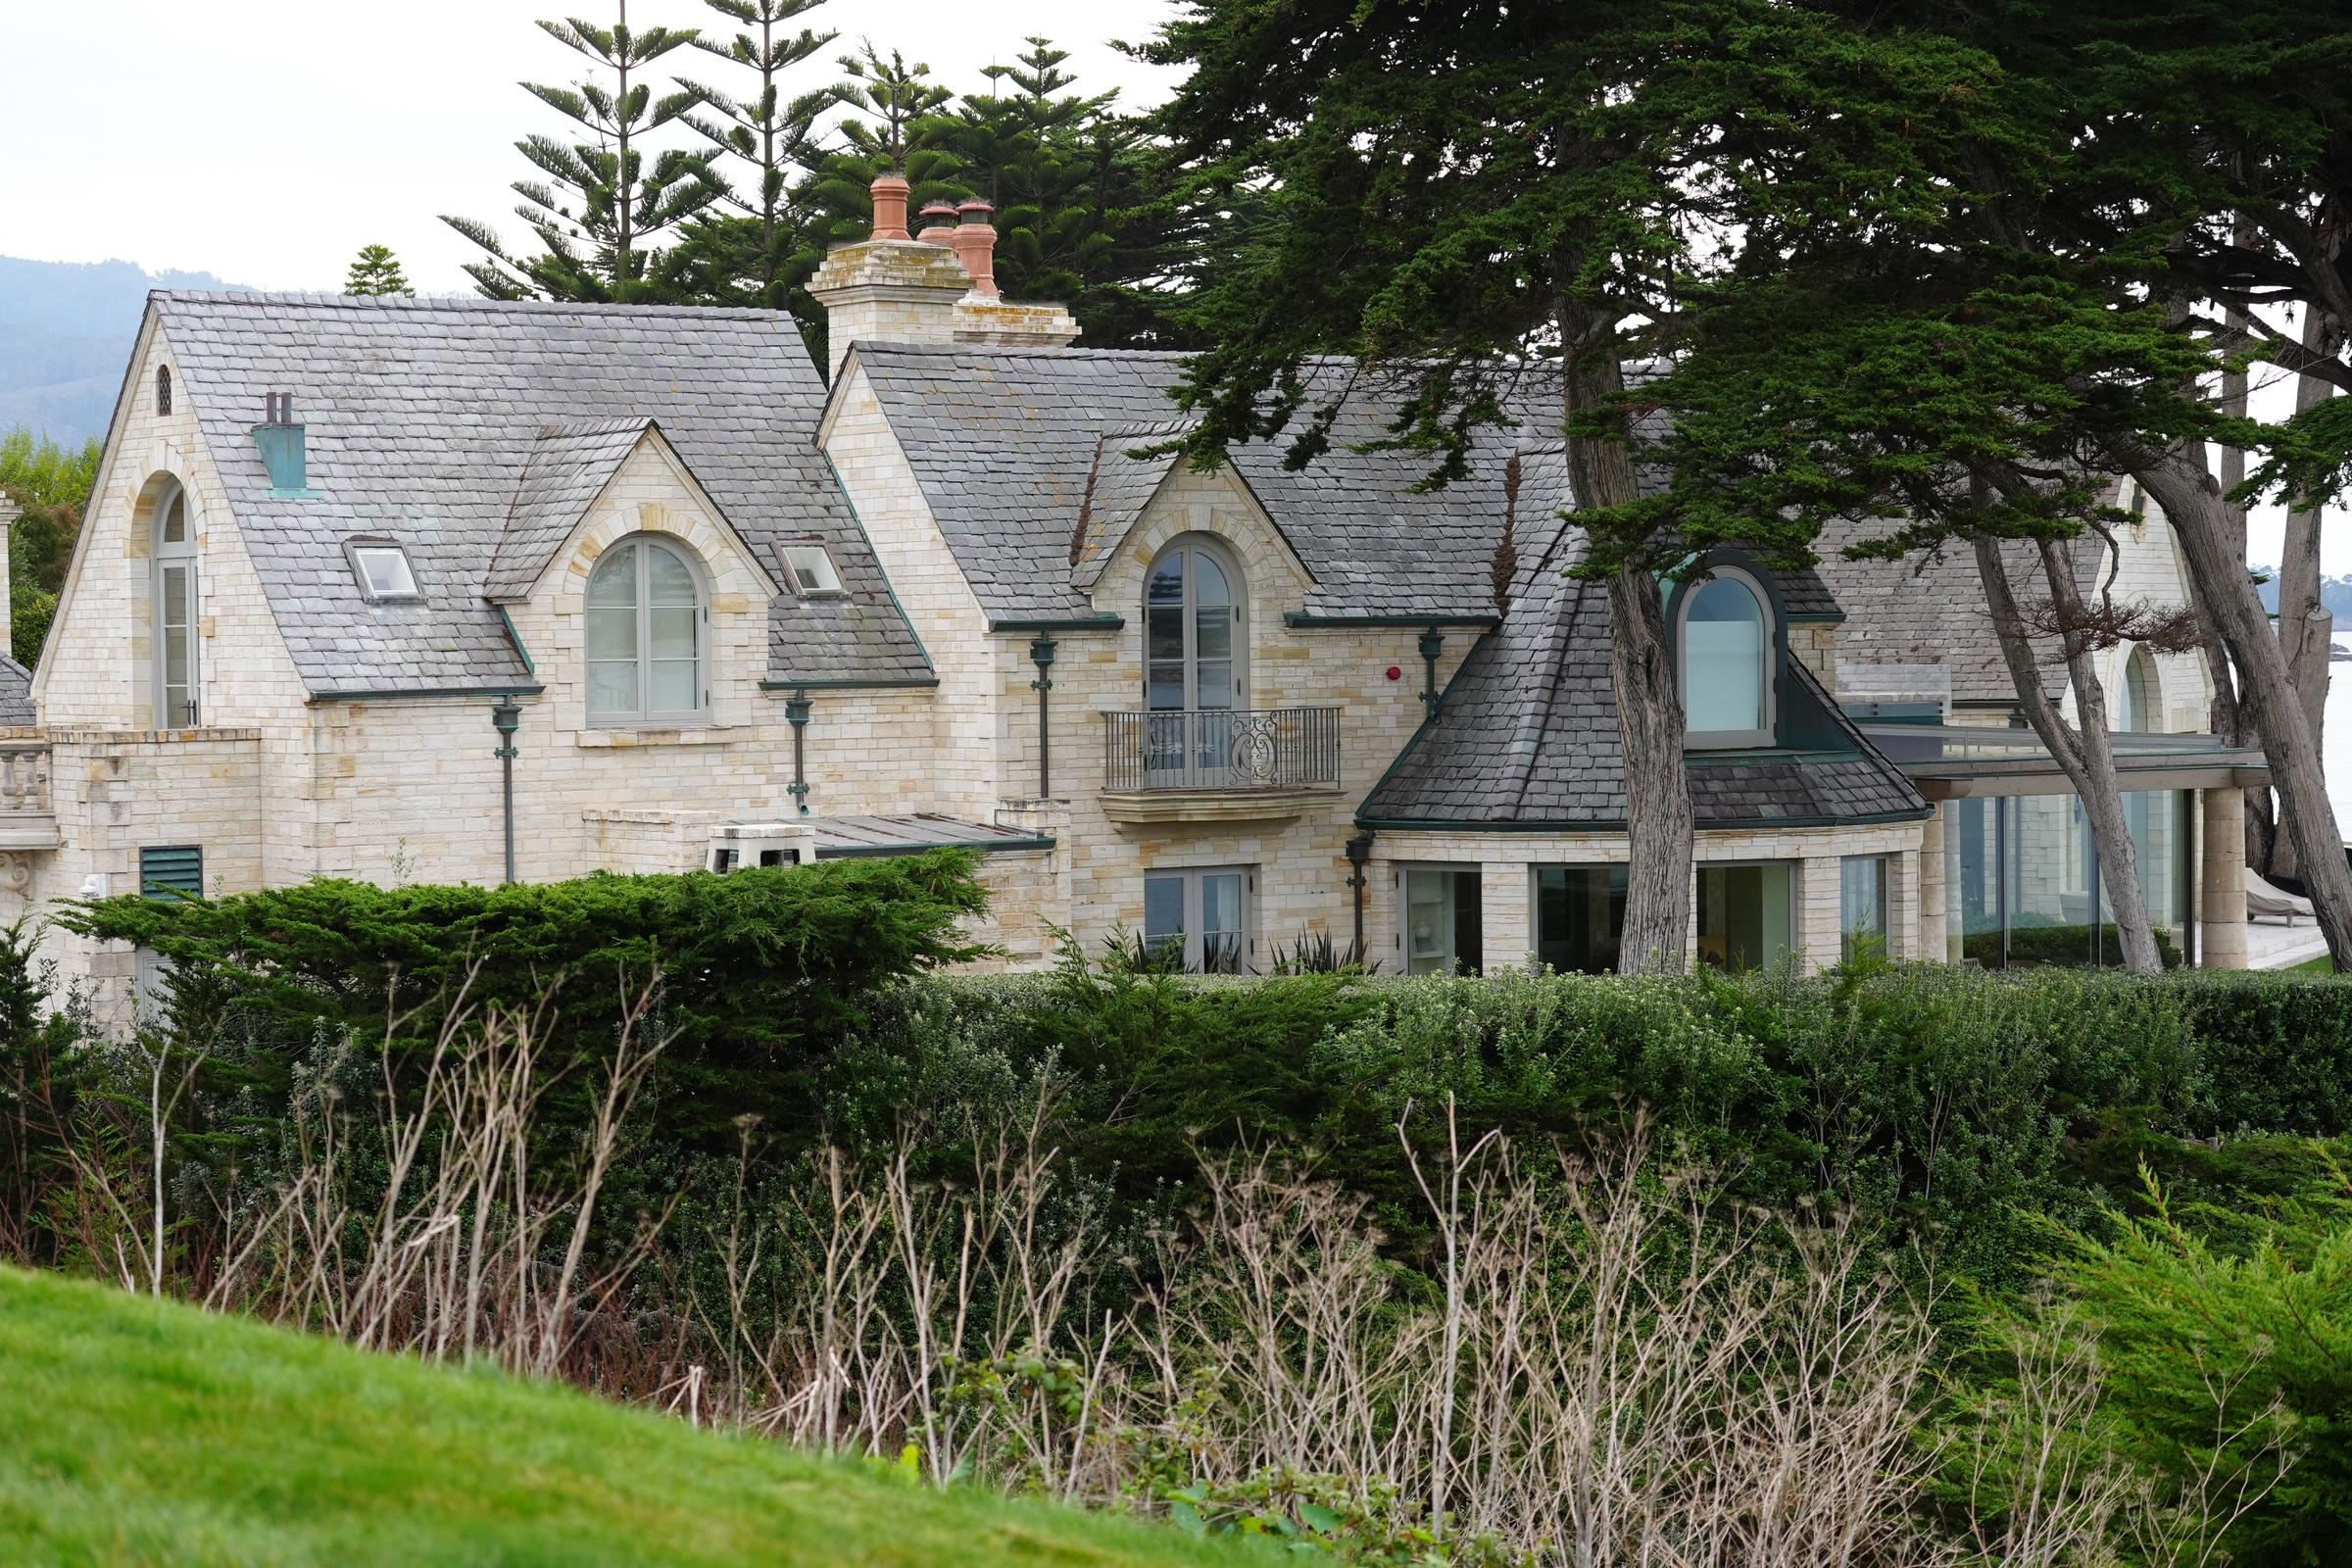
{"x":463,"y":590}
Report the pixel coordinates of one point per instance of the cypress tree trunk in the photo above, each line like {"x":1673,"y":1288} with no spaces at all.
{"x":2201,"y":519}
{"x":2306,"y":629}
{"x":1659,"y":821}
{"x":2084,"y":753}
{"x":2262,"y":829}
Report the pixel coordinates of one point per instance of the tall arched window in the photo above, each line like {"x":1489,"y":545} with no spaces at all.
{"x":647,"y":613}
{"x":2139,"y":703}
{"x":1727,"y":661}
{"x":1192,"y":645}
{"x":162,"y":389}
{"x":173,"y":612}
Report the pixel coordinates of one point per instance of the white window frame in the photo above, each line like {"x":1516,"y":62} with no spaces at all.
{"x":811,"y":568}
{"x":644,"y":716}
{"x":1708,"y":740}
{"x":171,"y":555}
{"x":1192,"y":935}
{"x":358,"y":545}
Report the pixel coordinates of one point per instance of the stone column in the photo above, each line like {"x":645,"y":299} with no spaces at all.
{"x":1931,"y":925}
{"x":2221,"y":880}
{"x":1505,"y":917}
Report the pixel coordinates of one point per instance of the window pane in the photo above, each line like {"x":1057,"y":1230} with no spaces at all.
{"x":1165,"y":688}
{"x":1208,"y":582}
{"x":1223,"y":941}
{"x":1163,"y":911}
{"x":384,"y":571}
{"x":1212,"y":683}
{"x":176,"y":657}
{"x":175,"y":596}
{"x":1212,"y":631}
{"x":615,"y":583}
{"x":1428,"y":923}
{"x":1579,"y":916}
{"x":1723,"y":656}
{"x":667,"y":576}
{"x":1166,"y":586}
{"x":1861,"y":901}
{"x":611,"y":633}
{"x":1744,"y":914}
{"x":672,"y":632}
{"x":676,"y":686}
{"x":611,"y":688}
{"x":176,"y":519}
{"x":1164,"y":629}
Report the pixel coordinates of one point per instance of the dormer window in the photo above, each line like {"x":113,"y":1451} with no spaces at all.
{"x":1728,"y":656}
{"x":381,"y":566}
{"x":812,"y":573}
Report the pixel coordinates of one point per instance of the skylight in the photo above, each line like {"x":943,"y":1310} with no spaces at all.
{"x":383,"y":569}
{"x":812,"y":573}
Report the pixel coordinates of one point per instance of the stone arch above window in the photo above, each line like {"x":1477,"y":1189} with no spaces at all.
{"x":647,"y":616}
{"x":1727,"y":645}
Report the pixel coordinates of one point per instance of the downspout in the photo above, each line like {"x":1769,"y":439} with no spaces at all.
{"x":1041,"y":654}
{"x":506,"y":719}
{"x":795,"y":714}
{"x":1432,"y":643}
{"x":1359,"y":860}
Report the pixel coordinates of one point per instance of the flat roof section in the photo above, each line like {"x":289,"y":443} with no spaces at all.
{"x":1960,"y":762}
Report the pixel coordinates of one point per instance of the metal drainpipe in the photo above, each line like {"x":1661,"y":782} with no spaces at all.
{"x":506,"y":719}
{"x":795,"y":714}
{"x":1360,"y":859}
{"x":1041,"y":654}
{"x":1432,"y":643}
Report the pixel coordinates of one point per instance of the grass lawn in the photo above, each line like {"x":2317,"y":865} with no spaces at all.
{"x":2323,"y":964}
{"x":135,"y":1432}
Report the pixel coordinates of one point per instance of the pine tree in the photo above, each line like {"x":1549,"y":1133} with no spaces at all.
{"x":755,"y":248}
{"x":609,"y":199}
{"x":376,"y":270}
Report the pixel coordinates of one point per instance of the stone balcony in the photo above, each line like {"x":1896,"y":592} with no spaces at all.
{"x":1218,"y":764}
{"x":27,"y":813}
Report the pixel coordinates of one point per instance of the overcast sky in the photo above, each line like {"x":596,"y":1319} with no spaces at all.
{"x":266,"y":140}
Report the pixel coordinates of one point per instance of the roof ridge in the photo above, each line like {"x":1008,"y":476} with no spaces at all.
{"x":455,"y":302}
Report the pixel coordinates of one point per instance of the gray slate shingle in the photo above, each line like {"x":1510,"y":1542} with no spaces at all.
{"x":421,"y":416}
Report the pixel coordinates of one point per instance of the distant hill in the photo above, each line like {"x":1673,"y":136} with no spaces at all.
{"x":66,"y":330}
{"x":2335,"y":592}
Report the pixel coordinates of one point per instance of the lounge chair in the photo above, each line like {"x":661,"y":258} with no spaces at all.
{"x":2266,"y":902}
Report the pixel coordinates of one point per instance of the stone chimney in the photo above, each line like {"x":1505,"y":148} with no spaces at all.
{"x":8,"y":525}
{"x":938,"y":287}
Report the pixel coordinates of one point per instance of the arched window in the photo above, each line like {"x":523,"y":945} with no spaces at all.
{"x":162,"y":389}
{"x":2139,"y":703}
{"x":1192,"y":643}
{"x":645,"y":612}
{"x":173,"y":612}
{"x":1727,"y":661}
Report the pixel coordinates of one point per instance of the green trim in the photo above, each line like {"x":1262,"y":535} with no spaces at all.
{"x":1303,"y":621}
{"x":532,"y":690}
{"x":892,"y":589}
{"x":1103,"y":622}
{"x":1803,"y":756}
{"x":1832,"y":617}
{"x":1387,"y":824}
{"x":883,"y":852}
{"x":516,"y":637}
{"x":881,"y":684}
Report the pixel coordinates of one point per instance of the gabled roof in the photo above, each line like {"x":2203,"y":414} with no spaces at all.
{"x":568,"y":467}
{"x":16,"y":694}
{"x":422,"y":417}
{"x":1119,"y":485}
{"x":1005,"y":440}
{"x":1528,"y":737}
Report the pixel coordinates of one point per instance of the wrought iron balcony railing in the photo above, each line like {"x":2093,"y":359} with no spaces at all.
{"x":1223,"y":748}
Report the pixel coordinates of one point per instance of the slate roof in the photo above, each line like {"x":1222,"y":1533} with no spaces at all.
{"x":1929,"y":608}
{"x":421,"y":418}
{"x":1119,"y":487}
{"x":16,"y":694}
{"x":1528,"y":731}
{"x":568,"y":467}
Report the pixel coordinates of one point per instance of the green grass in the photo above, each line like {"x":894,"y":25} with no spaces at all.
{"x":2323,"y":964}
{"x":135,"y":1431}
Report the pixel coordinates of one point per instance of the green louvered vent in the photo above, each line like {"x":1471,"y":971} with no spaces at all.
{"x":172,"y":871}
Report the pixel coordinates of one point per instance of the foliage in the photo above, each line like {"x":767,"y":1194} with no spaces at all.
{"x":153,"y":1432}
{"x":376,"y":270}
{"x":52,"y":484}
{"x":611,"y":196}
{"x":2059,"y":943}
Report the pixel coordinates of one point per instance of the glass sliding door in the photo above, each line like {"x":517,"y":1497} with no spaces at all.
{"x":1580,"y":915}
{"x":1443,"y":921}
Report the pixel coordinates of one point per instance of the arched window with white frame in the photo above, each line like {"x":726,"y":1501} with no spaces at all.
{"x":1727,"y":654}
{"x":648,"y":634}
{"x":174,"y":684}
{"x":2139,"y":697}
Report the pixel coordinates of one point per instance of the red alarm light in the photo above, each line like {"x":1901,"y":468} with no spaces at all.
{"x":1394,"y":674}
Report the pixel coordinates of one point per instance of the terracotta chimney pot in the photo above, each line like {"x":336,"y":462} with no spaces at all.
{"x":890,"y":205}
{"x":975,"y":243}
{"x":939,"y":224}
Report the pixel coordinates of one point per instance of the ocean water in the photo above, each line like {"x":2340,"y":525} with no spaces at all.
{"x":2335,"y":743}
